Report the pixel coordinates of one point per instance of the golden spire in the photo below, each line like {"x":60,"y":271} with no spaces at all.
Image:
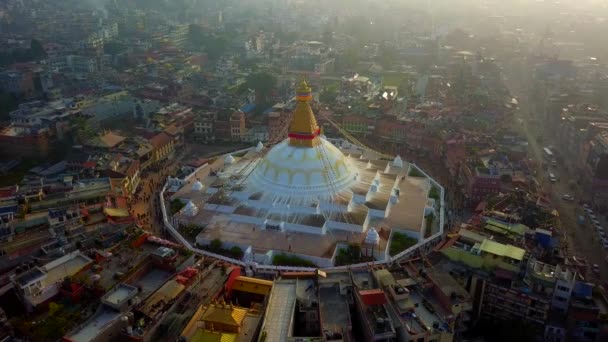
{"x":303,"y":129}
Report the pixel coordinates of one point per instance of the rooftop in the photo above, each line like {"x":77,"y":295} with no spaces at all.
{"x":119,"y":294}
{"x":95,"y":326}
{"x":280,"y":310}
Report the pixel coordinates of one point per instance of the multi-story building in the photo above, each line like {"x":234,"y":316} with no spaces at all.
{"x":40,"y":284}
{"x":17,"y":82}
{"x":204,"y":127}
{"x":358,"y":124}
{"x":278,"y":120}
{"x":478,"y":251}
{"x":479,"y":182}
{"x":35,"y":126}
{"x":81,"y":64}
{"x":238,"y":130}
{"x":372,"y":308}
{"x":163,"y":146}
{"x":587,"y":317}
{"x":126,"y":170}
{"x":416,"y":318}
{"x":596,"y":168}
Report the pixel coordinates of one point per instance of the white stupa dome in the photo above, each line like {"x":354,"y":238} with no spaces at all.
{"x":229,"y":159}
{"x":303,"y":171}
{"x":372,"y":237}
{"x":197,"y":186}
{"x":190,"y":209}
{"x":304,"y":165}
{"x":259,"y":147}
{"x":397,"y":162}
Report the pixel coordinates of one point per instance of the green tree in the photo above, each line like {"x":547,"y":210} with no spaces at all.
{"x":349,"y":59}
{"x":264,"y":84}
{"x":236,"y":252}
{"x":215,"y":245}
{"x":8,"y":103}
{"x":114,"y":48}
{"x":328,"y":94}
{"x":387,"y":56}
{"x":36,"y":50}
{"x":214,"y":45}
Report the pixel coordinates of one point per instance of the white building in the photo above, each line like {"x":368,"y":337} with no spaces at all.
{"x":39,"y":284}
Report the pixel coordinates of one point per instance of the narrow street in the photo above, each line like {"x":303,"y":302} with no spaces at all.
{"x":582,"y":239}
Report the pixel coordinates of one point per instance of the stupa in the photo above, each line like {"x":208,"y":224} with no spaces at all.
{"x":305,"y":165}
{"x":305,"y":195}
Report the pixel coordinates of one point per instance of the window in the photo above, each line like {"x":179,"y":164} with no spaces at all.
{"x":563,"y":288}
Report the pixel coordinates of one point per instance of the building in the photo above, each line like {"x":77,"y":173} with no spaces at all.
{"x":223,"y":322}
{"x":127,"y":171}
{"x":372,"y":308}
{"x":238,"y":128}
{"x":39,"y":285}
{"x":335,"y":301}
{"x":17,"y":82}
{"x":278,"y":120}
{"x":477,"y":251}
{"x":106,"y":321}
{"x":163,"y":146}
{"x":479,"y":182}
{"x":36,"y":125}
{"x":596,"y":168}
{"x":204,"y":130}
{"x":587,"y":316}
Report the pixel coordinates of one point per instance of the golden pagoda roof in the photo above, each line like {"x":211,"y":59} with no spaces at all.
{"x":303,"y":129}
{"x":213,"y":336}
{"x":224,"y":314}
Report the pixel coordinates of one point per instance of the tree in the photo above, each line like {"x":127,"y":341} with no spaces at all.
{"x":505,"y":178}
{"x":349,"y":58}
{"x":387,"y":56}
{"x":328,"y":94}
{"x":36,"y":50}
{"x":264,"y":84}
{"x":215,"y":245}
{"x":236,"y":252}
{"x":114,"y":48}
{"x":215,"y":46}
{"x":8,"y":103}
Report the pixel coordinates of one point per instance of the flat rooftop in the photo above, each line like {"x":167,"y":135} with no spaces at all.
{"x":221,"y":227}
{"x":119,"y":294}
{"x":280,"y":310}
{"x":152,"y":281}
{"x":333,"y":308}
{"x":56,"y":273}
{"x":95,"y":326}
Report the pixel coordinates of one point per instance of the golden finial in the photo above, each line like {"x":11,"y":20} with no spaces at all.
{"x":303,"y":130}
{"x":303,"y":92}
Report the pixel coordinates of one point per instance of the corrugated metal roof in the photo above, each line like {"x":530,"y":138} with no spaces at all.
{"x":224,"y":314}
{"x":213,"y":336}
{"x":494,"y":247}
{"x":279,"y":311}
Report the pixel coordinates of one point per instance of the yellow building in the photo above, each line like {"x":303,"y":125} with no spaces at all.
{"x":163,"y":146}
{"x":222,"y":322}
{"x":477,"y":251}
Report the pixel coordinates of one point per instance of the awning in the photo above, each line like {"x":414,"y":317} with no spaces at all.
{"x":116,"y":212}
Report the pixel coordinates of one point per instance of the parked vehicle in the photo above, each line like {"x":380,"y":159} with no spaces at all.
{"x":568,"y":197}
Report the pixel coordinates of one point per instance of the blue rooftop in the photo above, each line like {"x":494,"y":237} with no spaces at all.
{"x":583,"y":290}
{"x":248,"y":108}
